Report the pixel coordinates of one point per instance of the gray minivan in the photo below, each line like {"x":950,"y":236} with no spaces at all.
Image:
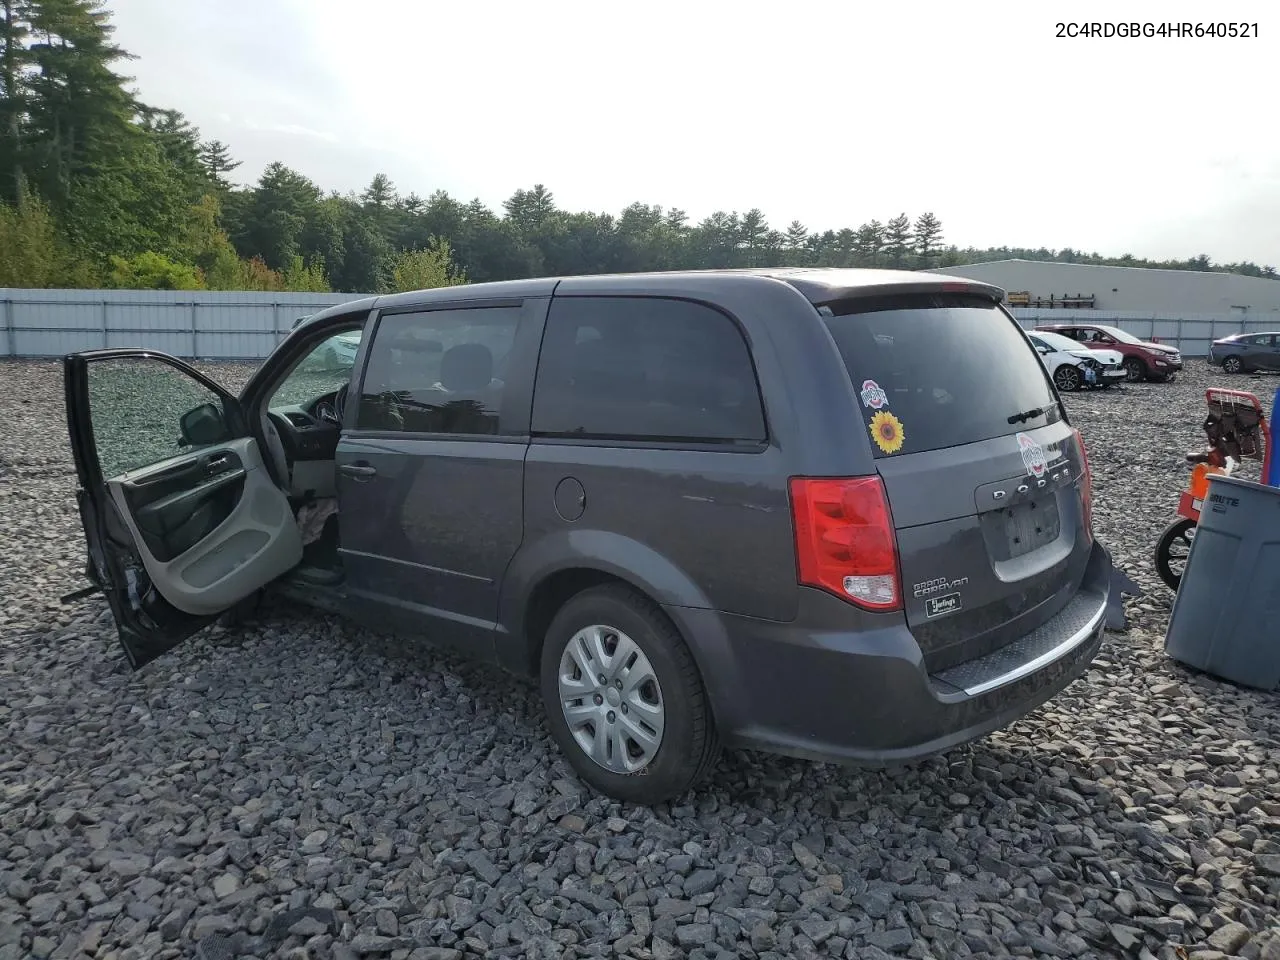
{"x":837,"y":514}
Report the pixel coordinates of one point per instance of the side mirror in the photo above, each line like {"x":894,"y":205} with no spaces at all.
{"x":203,"y":425}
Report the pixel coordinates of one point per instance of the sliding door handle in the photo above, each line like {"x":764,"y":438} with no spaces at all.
{"x":360,"y":471}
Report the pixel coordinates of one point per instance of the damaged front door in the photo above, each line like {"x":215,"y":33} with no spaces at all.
{"x":181,"y":518}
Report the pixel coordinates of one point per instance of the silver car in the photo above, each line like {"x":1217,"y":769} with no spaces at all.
{"x":1246,"y":352}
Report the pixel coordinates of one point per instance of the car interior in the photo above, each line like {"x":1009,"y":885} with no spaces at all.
{"x":302,"y":424}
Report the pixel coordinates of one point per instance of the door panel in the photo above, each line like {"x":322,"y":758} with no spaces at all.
{"x":219,"y":529}
{"x":181,"y":518}
{"x":439,"y":522}
{"x":1270,"y":351}
{"x":178,"y":506}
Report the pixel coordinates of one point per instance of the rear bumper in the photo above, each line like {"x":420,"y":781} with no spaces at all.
{"x":815,"y":689}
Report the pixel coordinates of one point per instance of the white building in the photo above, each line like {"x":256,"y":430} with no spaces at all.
{"x":1156,"y":293}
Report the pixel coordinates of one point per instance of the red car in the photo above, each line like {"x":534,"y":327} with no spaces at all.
{"x":1142,"y":360}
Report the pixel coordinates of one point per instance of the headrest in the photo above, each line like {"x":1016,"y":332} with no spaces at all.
{"x":468,"y":366}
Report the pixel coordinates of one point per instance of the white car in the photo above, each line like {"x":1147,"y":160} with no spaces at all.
{"x":1073,"y":365}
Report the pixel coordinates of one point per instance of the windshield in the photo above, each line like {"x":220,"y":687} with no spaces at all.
{"x":326,"y":368}
{"x":1120,"y":335}
{"x":1057,"y":341}
{"x":940,"y":371}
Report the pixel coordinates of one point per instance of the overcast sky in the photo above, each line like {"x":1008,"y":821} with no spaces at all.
{"x":830,"y":113}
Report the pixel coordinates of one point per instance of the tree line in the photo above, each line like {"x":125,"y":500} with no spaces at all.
{"x":98,"y":188}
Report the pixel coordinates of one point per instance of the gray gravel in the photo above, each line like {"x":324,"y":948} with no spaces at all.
{"x":303,"y":788}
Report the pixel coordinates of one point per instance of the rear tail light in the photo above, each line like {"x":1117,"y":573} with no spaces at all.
{"x":845,"y":540}
{"x":1086,"y":488}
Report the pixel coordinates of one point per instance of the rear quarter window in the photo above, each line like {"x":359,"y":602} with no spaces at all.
{"x":939,"y":371}
{"x":645,"y":369}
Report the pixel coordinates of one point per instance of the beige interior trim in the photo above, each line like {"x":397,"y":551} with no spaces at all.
{"x":316,"y":475}
{"x":259,"y":542}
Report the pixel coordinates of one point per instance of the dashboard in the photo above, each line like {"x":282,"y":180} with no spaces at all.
{"x":311,"y":431}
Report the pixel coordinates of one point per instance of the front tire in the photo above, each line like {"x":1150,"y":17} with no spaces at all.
{"x":1135,"y":370}
{"x":1232,"y":365}
{"x":1067,"y":379}
{"x":624,"y":698}
{"x":1172,"y":551}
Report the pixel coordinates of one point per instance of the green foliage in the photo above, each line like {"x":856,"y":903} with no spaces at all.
{"x":31,"y":252}
{"x":152,"y":271}
{"x":426,"y":269}
{"x":276,"y":215}
{"x":305,"y":277}
{"x":898,"y":241}
{"x":130,"y":204}
{"x":215,"y":157}
{"x":928,"y":234}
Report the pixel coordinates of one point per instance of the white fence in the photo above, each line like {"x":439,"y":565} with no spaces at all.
{"x":200,"y":324}
{"x":217,"y":326}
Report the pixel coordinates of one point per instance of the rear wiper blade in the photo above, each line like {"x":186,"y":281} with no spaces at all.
{"x":1026,"y":415}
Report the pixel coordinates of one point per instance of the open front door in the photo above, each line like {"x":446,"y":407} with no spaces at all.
{"x":181,"y":518}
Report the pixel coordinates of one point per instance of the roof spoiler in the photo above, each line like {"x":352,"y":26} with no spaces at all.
{"x":820,"y":294}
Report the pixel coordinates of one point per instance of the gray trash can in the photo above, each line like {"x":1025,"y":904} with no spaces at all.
{"x":1226,"y":617}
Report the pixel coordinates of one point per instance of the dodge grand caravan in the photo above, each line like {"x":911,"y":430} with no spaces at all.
{"x":790,"y":510}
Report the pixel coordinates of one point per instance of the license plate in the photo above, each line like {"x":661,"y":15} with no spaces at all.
{"x":1031,"y":525}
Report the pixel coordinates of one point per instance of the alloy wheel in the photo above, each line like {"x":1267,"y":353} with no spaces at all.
{"x":1067,"y":379}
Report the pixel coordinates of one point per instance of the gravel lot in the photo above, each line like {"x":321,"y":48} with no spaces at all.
{"x":306,"y":789}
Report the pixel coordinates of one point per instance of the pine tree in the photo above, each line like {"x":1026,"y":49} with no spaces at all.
{"x":14,"y":59}
{"x":215,"y":157}
{"x":530,"y":210}
{"x":81,"y":115}
{"x":868,"y":244}
{"x":928,"y":232}
{"x":794,"y":242}
{"x":179,"y":144}
{"x":897,"y":240}
{"x":753,"y":233}
{"x":380,"y":194}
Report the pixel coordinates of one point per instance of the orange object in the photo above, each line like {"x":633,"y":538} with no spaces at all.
{"x":1200,"y":479}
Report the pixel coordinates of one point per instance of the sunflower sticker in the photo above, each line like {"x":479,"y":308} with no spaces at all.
{"x":886,"y":431}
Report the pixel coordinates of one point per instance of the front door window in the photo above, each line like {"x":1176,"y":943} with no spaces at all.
{"x":143,"y":411}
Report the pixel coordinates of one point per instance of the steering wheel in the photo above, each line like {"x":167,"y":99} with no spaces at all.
{"x":340,"y":402}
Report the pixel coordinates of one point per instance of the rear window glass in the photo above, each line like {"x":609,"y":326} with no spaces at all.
{"x":941,"y":371}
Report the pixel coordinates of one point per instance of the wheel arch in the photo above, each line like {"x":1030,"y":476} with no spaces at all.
{"x":1132,"y":360}
{"x":542,"y":578}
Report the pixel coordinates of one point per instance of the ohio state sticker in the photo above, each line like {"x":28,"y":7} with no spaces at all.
{"x":1033,"y":457}
{"x":873,"y":396}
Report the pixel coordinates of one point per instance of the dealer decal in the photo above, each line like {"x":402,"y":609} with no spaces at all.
{"x":873,"y":395}
{"x":1033,"y":457}
{"x":941,"y":606}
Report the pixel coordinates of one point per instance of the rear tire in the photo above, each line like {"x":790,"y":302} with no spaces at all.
{"x":1135,"y":370}
{"x":1172,"y":551}
{"x":1232,"y":365}
{"x":615,"y":633}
